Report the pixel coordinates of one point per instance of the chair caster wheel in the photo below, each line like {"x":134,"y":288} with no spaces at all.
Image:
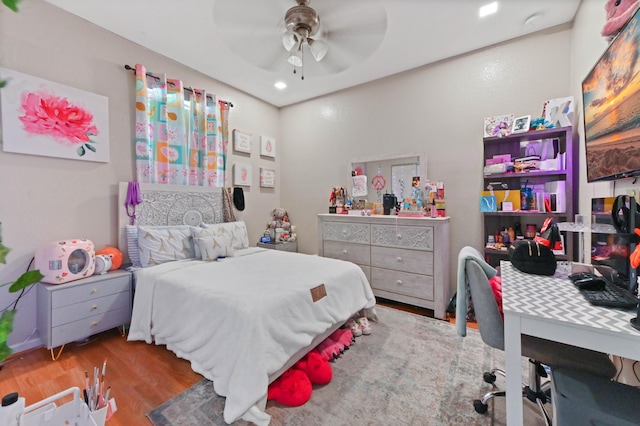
{"x":489,"y":377}
{"x":479,"y":406}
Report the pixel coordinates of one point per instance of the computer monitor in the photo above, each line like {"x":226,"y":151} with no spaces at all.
{"x":610,"y":251}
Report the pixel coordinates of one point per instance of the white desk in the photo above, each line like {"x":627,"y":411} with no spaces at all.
{"x":553,"y":309}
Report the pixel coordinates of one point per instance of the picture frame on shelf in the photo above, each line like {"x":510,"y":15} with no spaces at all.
{"x":498,"y":126}
{"x":267,"y":146}
{"x":242,"y":174}
{"x":267,"y":177}
{"x":521,"y":124}
{"x":241,"y":141}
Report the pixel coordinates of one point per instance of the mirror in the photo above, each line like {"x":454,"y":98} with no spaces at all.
{"x":392,"y":174}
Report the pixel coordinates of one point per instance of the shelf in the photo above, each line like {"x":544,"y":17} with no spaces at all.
{"x":505,"y":253}
{"x":532,"y":135}
{"x":525,"y":213}
{"x":537,"y":173}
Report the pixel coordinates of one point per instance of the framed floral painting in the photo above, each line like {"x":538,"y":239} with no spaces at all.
{"x":242,"y":174}
{"x":267,"y":146}
{"x":40,"y":117}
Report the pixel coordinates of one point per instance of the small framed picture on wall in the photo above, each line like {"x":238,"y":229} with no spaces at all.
{"x":267,"y":146}
{"x":242,"y":174}
{"x":267,"y":177}
{"x":241,"y":141}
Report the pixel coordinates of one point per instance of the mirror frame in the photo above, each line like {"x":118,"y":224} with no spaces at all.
{"x":422,"y":168}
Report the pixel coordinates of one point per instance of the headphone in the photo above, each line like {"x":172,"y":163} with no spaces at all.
{"x":621,"y":215}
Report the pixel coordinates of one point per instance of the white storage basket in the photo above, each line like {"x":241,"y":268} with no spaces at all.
{"x":47,"y":413}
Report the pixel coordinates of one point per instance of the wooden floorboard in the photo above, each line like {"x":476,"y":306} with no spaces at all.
{"x":141,"y":376}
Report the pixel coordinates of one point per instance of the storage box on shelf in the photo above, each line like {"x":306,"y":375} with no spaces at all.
{"x":554,"y":180}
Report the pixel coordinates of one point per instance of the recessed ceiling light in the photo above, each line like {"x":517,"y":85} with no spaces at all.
{"x":488,"y":9}
{"x":280,"y":85}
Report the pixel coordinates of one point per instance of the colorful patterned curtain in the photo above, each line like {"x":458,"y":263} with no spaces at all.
{"x":179,"y":141}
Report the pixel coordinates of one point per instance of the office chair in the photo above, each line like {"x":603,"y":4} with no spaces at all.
{"x":539,"y":351}
{"x":580,"y":398}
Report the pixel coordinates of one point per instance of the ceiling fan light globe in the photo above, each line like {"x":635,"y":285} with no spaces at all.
{"x":294,"y":59}
{"x":318,"y":49}
{"x":289,"y":40}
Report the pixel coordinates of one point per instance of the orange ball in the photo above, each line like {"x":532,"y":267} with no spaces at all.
{"x":114,"y":254}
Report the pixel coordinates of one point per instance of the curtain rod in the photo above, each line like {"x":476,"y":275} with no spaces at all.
{"x":129,"y":68}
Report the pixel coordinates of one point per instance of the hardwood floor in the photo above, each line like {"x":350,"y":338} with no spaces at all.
{"x":141,"y":376}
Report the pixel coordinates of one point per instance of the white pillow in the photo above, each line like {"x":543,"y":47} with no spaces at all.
{"x":212,"y":243}
{"x":237,"y":232}
{"x":131,"y":232}
{"x":161,"y":244}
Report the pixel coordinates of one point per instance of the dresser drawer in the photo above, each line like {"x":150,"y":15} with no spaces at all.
{"x":413,"y":237}
{"x":418,"y":262}
{"x":414,"y":285}
{"x":359,"y":233}
{"x":92,"y":290}
{"x":91,"y":307}
{"x":89,"y":326}
{"x":356,"y":253}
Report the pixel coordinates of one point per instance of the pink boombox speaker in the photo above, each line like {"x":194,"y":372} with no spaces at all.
{"x":64,"y":261}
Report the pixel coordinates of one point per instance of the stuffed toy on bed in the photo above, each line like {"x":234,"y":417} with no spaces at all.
{"x":618,"y":13}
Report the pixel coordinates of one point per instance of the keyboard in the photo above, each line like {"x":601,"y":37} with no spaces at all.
{"x":612,"y":296}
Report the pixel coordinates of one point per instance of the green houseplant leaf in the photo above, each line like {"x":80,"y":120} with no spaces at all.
{"x":11,"y":4}
{"x":25,"y":280}
{"x":6,"y":326}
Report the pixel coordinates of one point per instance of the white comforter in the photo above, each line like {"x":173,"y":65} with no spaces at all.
{"x":240,"y":319}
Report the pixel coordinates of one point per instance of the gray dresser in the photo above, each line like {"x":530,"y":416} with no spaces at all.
{"x":405,"y":259}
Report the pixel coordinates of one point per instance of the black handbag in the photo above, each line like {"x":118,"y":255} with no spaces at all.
{"x":532,"y":257}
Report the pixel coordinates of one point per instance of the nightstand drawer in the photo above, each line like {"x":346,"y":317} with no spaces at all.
{"x":356,"y":253}
{"x":91,"y":307}
{"x":420,"y":286}
{"x":89,"y":291}
{"x":89,"y":326}
{"x":418,"y":262}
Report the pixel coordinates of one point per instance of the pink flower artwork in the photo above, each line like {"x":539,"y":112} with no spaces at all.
{"x":46,"y":114}
{"x":41,"y":117}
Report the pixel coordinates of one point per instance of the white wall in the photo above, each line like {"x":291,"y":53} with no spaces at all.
{"x":439,"y":109}
{"x":47,"y":199}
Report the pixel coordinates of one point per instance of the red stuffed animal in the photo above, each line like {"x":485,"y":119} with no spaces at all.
{"x":294,"y":386}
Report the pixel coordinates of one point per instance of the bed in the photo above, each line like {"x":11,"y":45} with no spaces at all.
{"x":242,"y":320}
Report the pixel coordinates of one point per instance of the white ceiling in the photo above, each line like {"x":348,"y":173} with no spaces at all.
{"x":238,"y":41}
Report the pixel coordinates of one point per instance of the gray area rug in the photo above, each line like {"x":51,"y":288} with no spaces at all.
{"x":412,"y":370}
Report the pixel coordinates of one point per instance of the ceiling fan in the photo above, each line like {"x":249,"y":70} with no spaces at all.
{"x":257,"y":30}
{"x":303,"y":29}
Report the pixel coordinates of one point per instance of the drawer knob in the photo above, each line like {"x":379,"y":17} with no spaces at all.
{"x":94,"y":291}
{"x":399,"y":282}
{"x":344,"y":231}
{"x":344,"y":251}
{"x":94,"y":324}
{"x":399,"y":236}
{"x":399,"y":259}
{"x":94,"y":307}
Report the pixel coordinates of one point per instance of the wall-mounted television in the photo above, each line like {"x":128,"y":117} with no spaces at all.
{"x":611,"y":102}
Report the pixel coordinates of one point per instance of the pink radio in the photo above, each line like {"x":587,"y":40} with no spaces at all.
{"x":64,"y":261}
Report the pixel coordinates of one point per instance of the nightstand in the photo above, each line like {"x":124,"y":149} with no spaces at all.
{"x":291,"y":246}
{"x":79,"y":309}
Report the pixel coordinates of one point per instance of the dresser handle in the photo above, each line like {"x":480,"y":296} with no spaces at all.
{"x":94,"y":307}
{"x":94,"y":291}
{"x":399,"y":259}
{"x":399,"y":236}
{"x":344,"y":252}
{"x":94,"y":324}
{"x":399,"y":282}
{"x":344,"y":231}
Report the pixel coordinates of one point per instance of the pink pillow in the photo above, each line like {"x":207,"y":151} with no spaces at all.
{"x":496,"y":286}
